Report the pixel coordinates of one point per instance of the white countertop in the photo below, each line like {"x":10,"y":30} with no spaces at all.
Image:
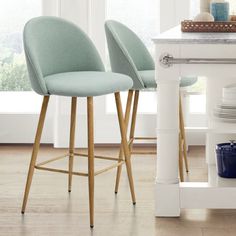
{"x":176,"y":36}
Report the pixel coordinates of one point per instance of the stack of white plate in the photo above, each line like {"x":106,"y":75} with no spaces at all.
{"x":226,"y":110}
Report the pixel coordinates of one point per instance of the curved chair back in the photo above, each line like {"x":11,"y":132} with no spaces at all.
{"x":128,"y":54}
{"x":53,"y":45}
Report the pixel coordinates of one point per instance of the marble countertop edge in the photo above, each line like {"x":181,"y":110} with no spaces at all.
{"x":176,"y":36}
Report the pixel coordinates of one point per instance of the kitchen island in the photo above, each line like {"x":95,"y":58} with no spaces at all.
{"x":192,"y":54}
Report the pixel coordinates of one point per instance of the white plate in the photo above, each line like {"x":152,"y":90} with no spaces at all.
{"x":230,"y":87}
{"x":227,"y":116}
{"x":226,"y":120}
{"x":224,"y":111}
{"x":227,"y":106}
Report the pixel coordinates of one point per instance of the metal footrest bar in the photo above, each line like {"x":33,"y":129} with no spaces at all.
{"x":97,"y":157}
{"x":143,"y":153}
{"x":109,"y":168}
{"x":53,"y":159}
{"x":130,"y":141}
{"x":40,"y":165}
{"x":144,"y":138}
{"x":60,"y":171}
{"x":140,"y":138}
{"x":80,"y":173}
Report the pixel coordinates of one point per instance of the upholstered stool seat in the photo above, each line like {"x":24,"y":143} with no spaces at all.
{"x":148,"y":78}
{"x":83,"y":83}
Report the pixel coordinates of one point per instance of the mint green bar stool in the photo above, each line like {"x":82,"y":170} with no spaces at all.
{"x":63,"y":61}
{"x":129,"y":56}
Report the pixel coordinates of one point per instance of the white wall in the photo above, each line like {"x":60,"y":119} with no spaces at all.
{"x":172,"y":12}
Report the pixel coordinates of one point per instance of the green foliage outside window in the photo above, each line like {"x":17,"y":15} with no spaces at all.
{"x":14,"y":77}
{"x":13,"y":71}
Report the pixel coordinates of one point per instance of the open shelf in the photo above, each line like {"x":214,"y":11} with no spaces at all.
{"x":214,"y":180}
{"x":217,"y":193}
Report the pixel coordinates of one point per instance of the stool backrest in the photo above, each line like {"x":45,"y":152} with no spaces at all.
{"x":53,"y":45}
{"x":127,"y":52}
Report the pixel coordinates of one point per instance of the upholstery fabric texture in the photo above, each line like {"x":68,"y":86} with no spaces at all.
{"x":129,"y":56}
{"x":55,"y":48}
{"x":148,"y":78}
{"x":87,"y":84}
{"x":127,"y":52}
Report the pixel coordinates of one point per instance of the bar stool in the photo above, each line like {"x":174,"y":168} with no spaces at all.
{"x":63,"y":61}
{"x":129,"y":56}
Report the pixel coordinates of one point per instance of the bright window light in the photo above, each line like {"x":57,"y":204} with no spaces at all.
{"x":197,"y":103}
{"x":197,"y":96}
{"x":13,"y":16}
{"x":142,"y":9}
{"x":26,"y":102}
{"x":141,"y":16}
{"x":13,"y":72}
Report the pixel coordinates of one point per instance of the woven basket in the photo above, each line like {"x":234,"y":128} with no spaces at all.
{"x":202,"y":26}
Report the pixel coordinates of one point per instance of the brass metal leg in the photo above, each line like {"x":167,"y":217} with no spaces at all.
{"x":121,"y":156}
{"x":35,"y":151}
{"x":125,"y":145}
{"x":72,"y":140}
{"x":182,"y":133}
{"x":90,"y":159}
{"x":181,"y":171}
{"x":133,"y":122}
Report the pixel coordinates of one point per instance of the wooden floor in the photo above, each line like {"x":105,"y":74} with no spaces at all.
{"x":52,"y":211}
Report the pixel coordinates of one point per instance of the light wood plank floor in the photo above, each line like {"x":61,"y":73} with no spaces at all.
{"x":52,"y":211}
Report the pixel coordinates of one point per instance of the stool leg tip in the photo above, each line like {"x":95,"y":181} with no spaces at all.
{"x":116,"y":192}
{"x":134,"y":203}
{"x":22,"y":212}
{"x":91,"y":226}
{"x":69,"y":191}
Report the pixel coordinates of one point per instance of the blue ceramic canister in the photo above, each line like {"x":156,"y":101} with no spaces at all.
{"x":220,"y":10}
{"x":226,"y":159}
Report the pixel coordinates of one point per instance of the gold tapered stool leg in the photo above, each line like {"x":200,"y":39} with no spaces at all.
{"x":125,"y":145}
{"x":35,"y":151}
{"x":72,"y":140}
{"x":133,"y":121}
{"x":182,"y":133}
{"x":181,"y":170}
{"x":121,"y":156}
{"x":90,"y":159}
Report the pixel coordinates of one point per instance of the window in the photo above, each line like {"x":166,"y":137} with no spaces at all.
{"x":145,"y":23}
{"x":141,"y":16}
{"x":13,"y":72}
{"x":197,"y":97}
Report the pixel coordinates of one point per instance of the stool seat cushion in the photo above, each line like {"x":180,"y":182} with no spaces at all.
{"x":148,"y":78}
{"x":87,"y":84}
